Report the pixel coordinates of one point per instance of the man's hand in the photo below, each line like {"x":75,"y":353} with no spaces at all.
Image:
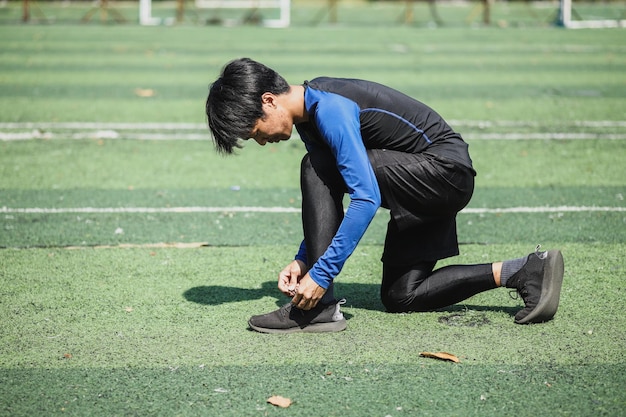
{"x":289,"y":277}
{"x":308,"y":293}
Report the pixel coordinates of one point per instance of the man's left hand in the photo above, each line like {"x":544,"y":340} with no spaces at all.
{"x":308,"y":294}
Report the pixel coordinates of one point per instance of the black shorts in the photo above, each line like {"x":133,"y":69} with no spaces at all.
{"x":424,"y":193}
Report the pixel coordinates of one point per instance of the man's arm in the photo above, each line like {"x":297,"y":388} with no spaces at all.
{"x":337,"y":119}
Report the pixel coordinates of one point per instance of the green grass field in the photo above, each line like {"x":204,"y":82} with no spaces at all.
{"x":132,"y":255}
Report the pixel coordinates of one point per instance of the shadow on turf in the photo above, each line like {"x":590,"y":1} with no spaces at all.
{"x":358,"y":295}
{"x":219,"y":294}
{"x":365,"y":296}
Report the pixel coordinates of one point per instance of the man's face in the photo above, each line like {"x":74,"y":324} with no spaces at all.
{"x":276,"y":126}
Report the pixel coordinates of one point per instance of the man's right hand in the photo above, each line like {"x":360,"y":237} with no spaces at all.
{"x":290,"y":276}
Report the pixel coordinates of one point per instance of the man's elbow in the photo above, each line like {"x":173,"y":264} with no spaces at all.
{"x":373,"y":203}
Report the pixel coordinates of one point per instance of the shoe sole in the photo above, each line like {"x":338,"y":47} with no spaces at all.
{"x":335,"y":326}
{"x":550,"y":290}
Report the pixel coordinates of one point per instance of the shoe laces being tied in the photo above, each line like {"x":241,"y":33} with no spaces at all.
{"x":285,"y":310}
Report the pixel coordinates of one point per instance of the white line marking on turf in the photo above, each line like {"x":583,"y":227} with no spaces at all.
{"x":160,"y":245}
{"x":96,"y":125}
{"x":528,"y":123}
{"x":543,"y":136}
{"x":198,"y":131}
{"x":202,"y":126}
{"x":101,"y":134}
{"x":113,"y":134}
{"x":147,"y":210}
{"x":546,"y":209}
{"x":182,"y":210}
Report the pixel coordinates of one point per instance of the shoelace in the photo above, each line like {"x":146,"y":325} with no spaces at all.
{"x":539,"y":254}
{"x":284,"y":310}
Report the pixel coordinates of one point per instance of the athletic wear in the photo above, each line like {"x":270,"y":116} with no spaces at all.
{"x":424,"y":193}
{"x":510,"y":268}
{"x":385,"y":149}
{"x":386,"y":118}
{"x":289,"y":319}
{"x":539,"y":284}
{"x":348,"y":118}
{"x":418,"y":288}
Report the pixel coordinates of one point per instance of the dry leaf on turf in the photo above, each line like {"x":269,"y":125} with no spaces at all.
{"x":279,"y":401}
{"x":444,"y":356}
{"x":145,"y":92}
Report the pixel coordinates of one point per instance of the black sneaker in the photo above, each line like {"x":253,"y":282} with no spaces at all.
{"x":289,"y":319}
{"x":539,"y":283}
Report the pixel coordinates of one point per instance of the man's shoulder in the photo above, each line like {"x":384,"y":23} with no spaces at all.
{"x":361,"y":91}
{"x":327,"y":91}
{"x":333,"y":84}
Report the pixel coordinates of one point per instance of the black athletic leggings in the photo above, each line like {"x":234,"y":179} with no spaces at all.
{"x":404,"y":288}
{"x":418,"y":288}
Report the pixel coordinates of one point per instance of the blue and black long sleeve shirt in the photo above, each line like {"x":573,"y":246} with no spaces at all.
{"x":349,"y":116}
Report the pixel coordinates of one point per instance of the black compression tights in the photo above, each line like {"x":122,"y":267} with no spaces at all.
{"x":418,"y":288}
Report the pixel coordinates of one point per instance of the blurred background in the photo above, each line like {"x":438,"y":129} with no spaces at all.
{"x":425,"y":13}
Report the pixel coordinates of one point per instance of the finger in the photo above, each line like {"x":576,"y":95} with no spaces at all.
{"x":302,"y":304}
{"x":297,"y":298}
{"x":293,"y":290}
{"x":283,"y":287}
{"x":293,"y":280}
{"x":284,"y":282}
{"x":312,"y":304}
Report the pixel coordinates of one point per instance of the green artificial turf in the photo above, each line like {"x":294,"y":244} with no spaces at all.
{"x":163,"y":331}
{"x":101,"y":316}
{"x":170,"y":174}
{"x":542,"y":74}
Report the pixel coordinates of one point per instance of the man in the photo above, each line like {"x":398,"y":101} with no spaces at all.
{"x":385,"y":149}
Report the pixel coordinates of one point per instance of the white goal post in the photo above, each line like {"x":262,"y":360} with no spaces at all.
{"x":145,"y":14}
{"x":284,"y":7}
{"x":565,"y":19}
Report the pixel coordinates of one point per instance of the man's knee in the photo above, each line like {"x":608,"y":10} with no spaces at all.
{"x":306,"y":167}
{"x":396,"y":301}
{"x":319,"y":168}
{"x":309,"y":177}
{"x":402,"y":289}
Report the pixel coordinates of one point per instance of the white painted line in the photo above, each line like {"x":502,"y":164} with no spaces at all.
{"x":543,"y":136}
{"x":96,"y":125}
{"x":140,"y":210}
{"x":113,"y":134}
{"x":202,"y":126}
{"x":484,"y":124}
{"x":160,"y":245}
{"x":101,"y":134}
{"x":545,"y":209}
{"x":183,"y":210}
{"x":198,"y":131}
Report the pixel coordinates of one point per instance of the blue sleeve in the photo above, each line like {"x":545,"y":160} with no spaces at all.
{"x":301,"y":255}
{"x":337,"y":119}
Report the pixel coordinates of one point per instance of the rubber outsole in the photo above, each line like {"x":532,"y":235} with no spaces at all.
{"x":550,"y":290}
{"x":330,"y":327}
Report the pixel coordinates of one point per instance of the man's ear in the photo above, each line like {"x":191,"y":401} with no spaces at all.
{"x":268,"y":98}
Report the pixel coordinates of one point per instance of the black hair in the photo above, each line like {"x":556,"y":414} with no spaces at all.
{"x":234,"y":103}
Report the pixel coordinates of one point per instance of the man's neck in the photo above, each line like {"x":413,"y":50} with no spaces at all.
{"x":295,"y":104}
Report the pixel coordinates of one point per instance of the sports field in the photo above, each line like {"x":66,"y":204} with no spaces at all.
{"x":131,"y":255}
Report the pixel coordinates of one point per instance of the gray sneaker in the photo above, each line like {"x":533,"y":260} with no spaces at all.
{"x":539,"y":284}
{"x":289,"y":319}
